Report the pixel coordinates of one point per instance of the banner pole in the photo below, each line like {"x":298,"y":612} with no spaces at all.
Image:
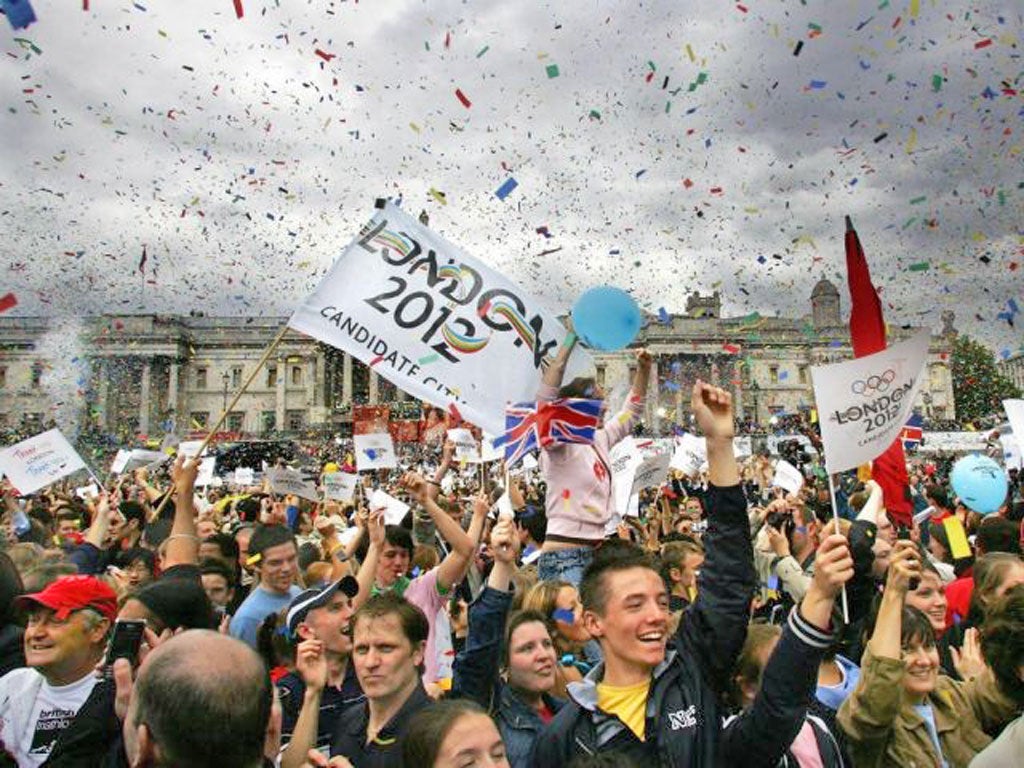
{"x":234,"y":401}
{"x":835,"y":519}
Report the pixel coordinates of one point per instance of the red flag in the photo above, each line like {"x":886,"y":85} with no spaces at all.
{"x":867,"y":334}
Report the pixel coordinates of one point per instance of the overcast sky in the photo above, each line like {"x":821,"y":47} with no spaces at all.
{"x":678,"y":146}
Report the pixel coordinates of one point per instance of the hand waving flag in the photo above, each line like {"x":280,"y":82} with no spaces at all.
{"x":529,"y":426}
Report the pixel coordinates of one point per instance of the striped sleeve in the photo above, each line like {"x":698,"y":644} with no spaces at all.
{"x":807,"y":632}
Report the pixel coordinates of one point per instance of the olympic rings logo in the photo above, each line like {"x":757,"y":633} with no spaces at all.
{"x":874,"y":383}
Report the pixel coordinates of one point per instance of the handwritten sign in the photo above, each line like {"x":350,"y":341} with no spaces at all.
{"x":39,"y":461}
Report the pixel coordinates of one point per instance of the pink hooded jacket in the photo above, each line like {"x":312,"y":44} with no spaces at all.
{"x":579,"y":495}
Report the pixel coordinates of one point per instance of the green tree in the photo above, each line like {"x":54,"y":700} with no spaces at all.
{"x":978,"y":386}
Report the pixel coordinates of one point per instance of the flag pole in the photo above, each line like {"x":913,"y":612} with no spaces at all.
{"x":835,"y":520}
{"x":230,"y":406}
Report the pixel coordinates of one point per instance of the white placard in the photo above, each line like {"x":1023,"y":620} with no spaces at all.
{"x":690,"y":455}
{"x":1011,"y":452}
{"x":787,"y":477}
{"x":395,"y":510}
{"x":90,"y":491}
{"x":244,"y":476}
{"x":284,"y":481}
{"x":438,"y":323}
{"x":374,"y":451}
{"x":1015,"y":415}
{"x":864,"y":403}
{"x":39,"y":461}
{"x":340,"y":486}
{"x":625,"y":457}
{"x":652,"y":471}
{"x":117,"y":466}
{"x":207,"y":466}
{"x":465,"y":444}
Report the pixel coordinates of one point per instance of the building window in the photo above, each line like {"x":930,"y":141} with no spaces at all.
{"x":236,"y":420}
{"x":3,"y":376}
{"x":268,"y":421}
{"x":802,"y":373}
{"x":773,"y":374}
{"x":37,"y":375}
{"x":296,"y":375}
{"x":295,"y":420}
{"x":272,"y":377}
{"x":200,"y":419}
{"x":201,"y":378}
{"x":236,"y":377}
{"x":599,"y":377}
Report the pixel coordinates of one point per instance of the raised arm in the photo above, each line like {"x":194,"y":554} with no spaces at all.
{"x":311,"y":664}
{"x":368,"y":568}
{"x":715,"y":626}
{"x":555,"y":371}
{"x":183,"y":543}
{"x":761,"y":735}
{"x":622,"y":423}
{"x":477,"y":667}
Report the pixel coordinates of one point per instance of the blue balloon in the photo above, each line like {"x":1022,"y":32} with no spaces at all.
{"x":980,"y":483}
{"x":606,"y":318}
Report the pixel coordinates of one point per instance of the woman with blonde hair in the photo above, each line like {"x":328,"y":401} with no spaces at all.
{"x":559,"y":603}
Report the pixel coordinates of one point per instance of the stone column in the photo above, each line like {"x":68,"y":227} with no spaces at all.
{"x":282,"y":377}
{"x":172,"y":391}
{"x":373,"y":387}
{"x":346,"y":379}
{"x":102,"y":393}
{"x":144,"y":397}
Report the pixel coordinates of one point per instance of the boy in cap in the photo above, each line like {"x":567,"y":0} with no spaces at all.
{"x":65,"y":635}
{"x":324,"y":684}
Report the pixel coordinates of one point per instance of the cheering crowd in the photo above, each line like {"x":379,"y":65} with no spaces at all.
{"x":511,"y":618}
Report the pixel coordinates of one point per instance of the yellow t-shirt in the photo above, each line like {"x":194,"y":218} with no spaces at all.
{"x":628,"y":703}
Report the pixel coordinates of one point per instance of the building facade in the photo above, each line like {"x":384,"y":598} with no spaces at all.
{"x":153,"y":374}
{"x":1013,"y":369}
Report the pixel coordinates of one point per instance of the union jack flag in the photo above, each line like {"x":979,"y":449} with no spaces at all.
{"x":529,"y":426}
{"x":913,"y":433}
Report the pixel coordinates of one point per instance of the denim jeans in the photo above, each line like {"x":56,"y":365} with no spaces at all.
{"x":564,"y":564}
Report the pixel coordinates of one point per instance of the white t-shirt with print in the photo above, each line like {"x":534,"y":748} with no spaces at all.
{"x":33,"y":713}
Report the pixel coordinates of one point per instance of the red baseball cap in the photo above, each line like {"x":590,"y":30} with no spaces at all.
{"x":73,"y":593}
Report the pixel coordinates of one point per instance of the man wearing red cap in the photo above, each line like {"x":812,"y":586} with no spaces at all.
{"x":65,"y":635}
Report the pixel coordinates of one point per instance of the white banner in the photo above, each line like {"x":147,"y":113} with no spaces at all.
{"x":1015,"y":414}
{"x":690,"y":455}
{"x":787,"y":477}
{"x":244,"y":476}
{"x":340,"y":486}
{"x":438,"y":323}
{"x":653,"y":470}
{"x":38,"y":461}
{"x":374,"y":451}
{"x":284,"y":480}
{"x":864,"y":403}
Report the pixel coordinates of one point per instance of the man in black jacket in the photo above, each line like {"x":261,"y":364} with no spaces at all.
{"x":655,"y":699}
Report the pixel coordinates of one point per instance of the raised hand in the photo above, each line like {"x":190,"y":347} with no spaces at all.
{"x":969,"y":661}
{"x":311,"y":664}
{"x":504,"y":542}
{"x":904,"y":565}
{"x":712,"y":407}
{"x":833,"y":565}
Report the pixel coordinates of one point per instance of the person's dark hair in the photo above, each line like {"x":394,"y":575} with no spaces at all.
{"x":581,"y":386}
{"x":534,"y":522}
{"x":309,"y":553}
{"x":273,"y":642}
{"x":937,"y":531}
{"x":69,"y":513}
{"x":267,"y":536}
{"x":515,"y":621}
{"x":429,"y":727}
{"x":997,"y":535}
{"x":613,"y":556}
{"x":397,"y":536}
{"x":10,"y":588}
{"x":937,"y":494}
{"x":127,"y":557}
{"x":248,"y":509}
{"x":414,"y":623}
{"x":1002,"y":642}
{"x":916,"y":628}
{"x":132,"y":510}
{"x":178,"y":603}
{"x":173,"y":694}
{"x":213,"y":566}
{"x":156,"y":533}
{"x":225,"y":543}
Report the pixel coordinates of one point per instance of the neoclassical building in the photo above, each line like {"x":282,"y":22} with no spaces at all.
{"x":151,"y":374}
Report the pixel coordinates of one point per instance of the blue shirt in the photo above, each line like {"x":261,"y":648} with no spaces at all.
{"x":255,"y":608}
{"x":928,"y":715}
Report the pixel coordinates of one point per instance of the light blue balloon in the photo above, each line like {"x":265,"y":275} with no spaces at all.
{"x":606,"y":318}
{"x":980,"y":483}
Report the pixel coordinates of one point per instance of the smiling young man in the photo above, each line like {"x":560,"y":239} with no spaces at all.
{"x":655,"y":697}
{"x":389,"y":637}
{"x":276,"y":560}
{"x":65,"y":635}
